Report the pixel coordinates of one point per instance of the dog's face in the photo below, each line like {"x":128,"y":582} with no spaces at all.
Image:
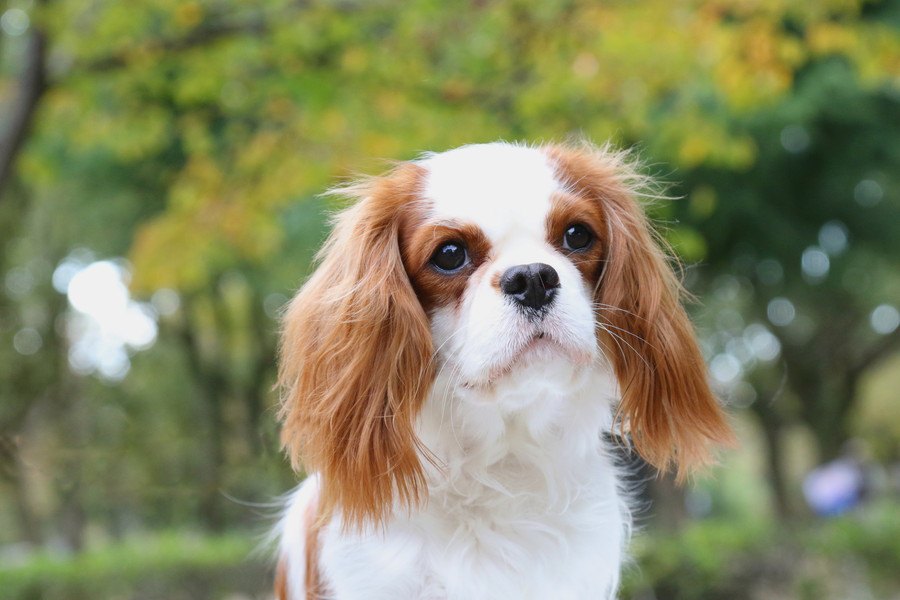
{"x":507,"y":260}
{"x":474,"y":265}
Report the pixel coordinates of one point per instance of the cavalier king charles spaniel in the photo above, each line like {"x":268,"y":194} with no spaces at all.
{"x":480,"y":320}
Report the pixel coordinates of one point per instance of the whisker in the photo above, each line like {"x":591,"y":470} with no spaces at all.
{"x":616,"y":337}
{"x":601,"y":305}
{"x":445,"y":342}
{"x":632,"y":334}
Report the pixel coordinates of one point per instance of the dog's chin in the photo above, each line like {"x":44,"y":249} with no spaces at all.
{"x":539,"y":349}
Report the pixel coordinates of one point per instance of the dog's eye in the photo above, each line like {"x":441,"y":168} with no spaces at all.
{"x":577,"y":237}
{"x":450,"y":256}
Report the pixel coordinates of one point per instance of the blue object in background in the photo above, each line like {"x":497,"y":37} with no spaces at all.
{"x":834,"y":488}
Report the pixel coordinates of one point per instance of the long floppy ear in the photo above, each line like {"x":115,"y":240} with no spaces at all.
{"x":355,"y":361}
{"x":666,"y":404}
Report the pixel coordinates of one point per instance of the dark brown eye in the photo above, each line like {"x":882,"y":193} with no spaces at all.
{"x":577,"y":237}
{"x":449,"y":257}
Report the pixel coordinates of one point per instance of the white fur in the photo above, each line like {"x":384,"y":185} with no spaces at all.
{"x":296,"y":520}
{"x":523,"y":501}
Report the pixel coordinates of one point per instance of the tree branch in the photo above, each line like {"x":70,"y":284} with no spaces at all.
{"x":32,"y":83}
{"x":876,"y":352}
{"x":201,"y":36}
{"x":33,"y":80}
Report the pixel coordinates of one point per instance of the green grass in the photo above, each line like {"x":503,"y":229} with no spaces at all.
{"x":871,"y":537}
{"x":857,"y":555}
{"x":138,"y":566}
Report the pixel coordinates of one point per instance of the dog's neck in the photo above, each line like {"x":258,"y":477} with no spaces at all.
{"x":519,"y":488}
{"x":534,"y":432}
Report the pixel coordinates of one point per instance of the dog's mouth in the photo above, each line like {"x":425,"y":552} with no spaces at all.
{"x":540,"y":342}
{"x":540,"y":346}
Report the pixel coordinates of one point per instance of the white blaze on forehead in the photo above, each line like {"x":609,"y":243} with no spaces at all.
{"x":500,"y":187}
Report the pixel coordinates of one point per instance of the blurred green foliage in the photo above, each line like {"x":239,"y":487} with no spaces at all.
{"x":191,"y":138}
{"x":734,"y":560}
{"x":715,"y":559}
{"x":164,"y":565}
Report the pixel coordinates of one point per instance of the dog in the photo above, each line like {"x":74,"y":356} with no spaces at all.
{"x":479,"y":321}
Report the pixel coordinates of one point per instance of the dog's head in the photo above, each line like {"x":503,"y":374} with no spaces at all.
{"x":486,"y":260}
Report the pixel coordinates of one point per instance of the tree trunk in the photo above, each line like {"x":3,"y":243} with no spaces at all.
{"x":72,"y":517}
{"x":32,"y":84}
{"x":211,"y":494}
{"x":213,"y":389}
{"x":827,"y":384}
{"x":73,"y":432}
{"x":774,"y":448}
{"x":254,"y":400}
{"x":14,"y":475}
{"x":830,"y":426}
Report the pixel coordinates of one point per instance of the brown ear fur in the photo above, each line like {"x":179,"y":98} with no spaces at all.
{"x":666,"y":404}
{"x":356,"y":359}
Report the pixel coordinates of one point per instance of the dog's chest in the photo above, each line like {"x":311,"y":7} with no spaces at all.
{"x":512,"y":532}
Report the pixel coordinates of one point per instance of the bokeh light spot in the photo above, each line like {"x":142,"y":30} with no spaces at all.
{"x":885,"y":319}
{"x":105,"y":324}
{"x":868,"y":192}
{"x":781,"y":311}
{"x":769,"y":271}
{"x":166,"y":302}
{"x":742,"y":395}
{"x":27,"y":341}
{"x":18,"y":282}
{"x":815,"y":264}
{"x":14,"y":22}
{"x":725,"y":368}
{"x":795,"y":139}
{"x":763,"y":343}
{"x":833,"y":237}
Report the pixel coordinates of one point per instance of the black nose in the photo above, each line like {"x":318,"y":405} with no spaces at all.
{"x":533,"y":286}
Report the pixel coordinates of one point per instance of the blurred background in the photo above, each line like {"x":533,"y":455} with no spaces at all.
{"x":160,"y":162}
